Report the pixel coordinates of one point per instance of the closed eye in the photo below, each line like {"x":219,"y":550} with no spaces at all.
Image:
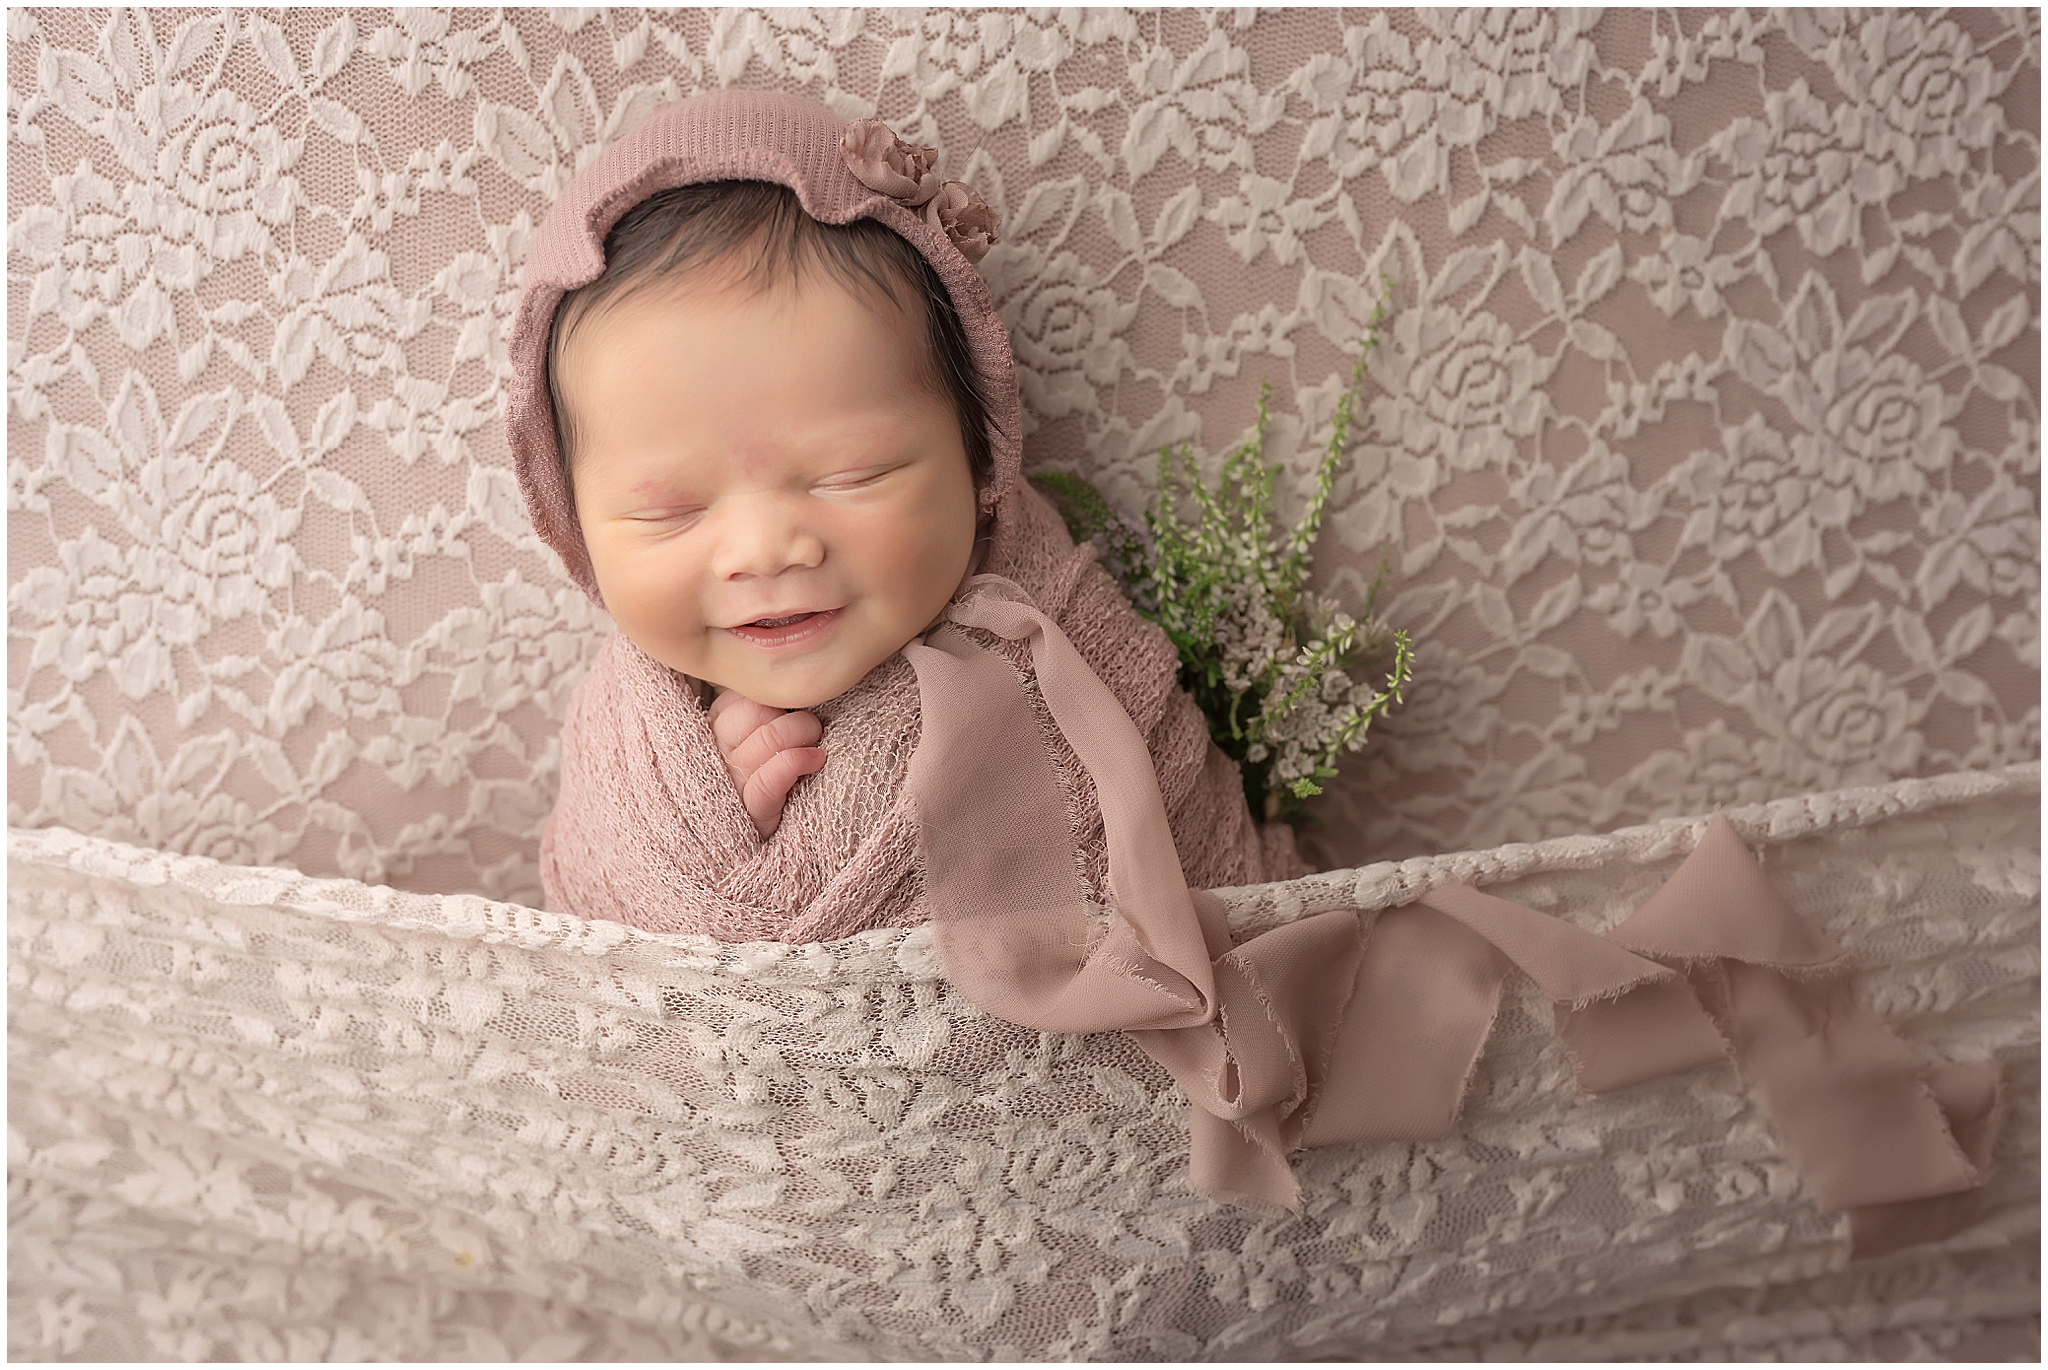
{"x":679,"y":517}
{"x":861,"y":479}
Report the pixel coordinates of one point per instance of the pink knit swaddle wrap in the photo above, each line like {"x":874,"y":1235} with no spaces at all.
{"x":648,"y":829}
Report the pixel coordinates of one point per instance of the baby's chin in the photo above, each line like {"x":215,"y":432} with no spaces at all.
{"x":801,"y":685}
{"x":791,"y":698}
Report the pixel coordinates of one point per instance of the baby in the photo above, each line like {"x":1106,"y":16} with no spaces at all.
{"x":765,"y":411}
{"x":774,"y":442}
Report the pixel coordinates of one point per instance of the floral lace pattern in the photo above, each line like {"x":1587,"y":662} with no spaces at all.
{"x":1706,"y":450}
{"x":257,"y":1115}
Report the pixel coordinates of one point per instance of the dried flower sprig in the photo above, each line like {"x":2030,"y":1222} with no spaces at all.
{"x":1281,"y":672}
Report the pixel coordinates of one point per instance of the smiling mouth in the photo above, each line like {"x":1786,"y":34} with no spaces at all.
{"x":786,"y":629}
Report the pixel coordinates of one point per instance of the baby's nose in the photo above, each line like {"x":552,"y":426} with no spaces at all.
{"x":765,"y":536}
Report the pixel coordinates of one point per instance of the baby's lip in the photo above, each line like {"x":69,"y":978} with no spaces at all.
{"x":778,"y":618}
{"x":786,"y":629}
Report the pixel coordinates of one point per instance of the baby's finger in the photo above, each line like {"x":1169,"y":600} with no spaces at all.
{"x":721,"y":700}
{"x":734,"y":717}
{"x":778,"y":734}
{"x":768,"y":788}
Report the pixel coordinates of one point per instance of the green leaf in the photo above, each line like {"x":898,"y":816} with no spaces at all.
{"x":1230,"y":589}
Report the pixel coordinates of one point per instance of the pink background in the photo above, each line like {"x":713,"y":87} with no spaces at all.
{"x":1704,"y":444}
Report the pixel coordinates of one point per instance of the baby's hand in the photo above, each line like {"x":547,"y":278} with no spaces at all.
{"x":766,"y":752}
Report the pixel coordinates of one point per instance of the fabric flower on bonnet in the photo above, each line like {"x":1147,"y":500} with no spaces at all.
{"x":907,"y":174}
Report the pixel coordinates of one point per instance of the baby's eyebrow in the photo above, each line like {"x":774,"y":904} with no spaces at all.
{"x":657,"y":489}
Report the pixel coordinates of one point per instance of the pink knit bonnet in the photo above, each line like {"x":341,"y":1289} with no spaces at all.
{"x":839,"y":173}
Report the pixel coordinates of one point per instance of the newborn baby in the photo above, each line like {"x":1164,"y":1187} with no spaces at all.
{"x":765,"y":411}
{"x":770,"y":469}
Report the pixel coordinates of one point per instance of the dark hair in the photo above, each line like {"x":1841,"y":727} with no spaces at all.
{"x":760,"y":228}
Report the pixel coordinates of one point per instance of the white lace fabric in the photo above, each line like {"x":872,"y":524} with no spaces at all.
{"x":1703,"y":443}
{"x":250,"y":1107}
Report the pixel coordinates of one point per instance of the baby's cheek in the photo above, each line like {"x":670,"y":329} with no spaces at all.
{"x":937,"y":565}
{"x":655,"y":598}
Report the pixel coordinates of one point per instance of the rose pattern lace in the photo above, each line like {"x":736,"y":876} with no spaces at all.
{"x":259,"y":1115}
{"x":1706,"y":449}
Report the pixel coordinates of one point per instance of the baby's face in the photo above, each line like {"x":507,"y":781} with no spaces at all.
{"x":772,"y":500}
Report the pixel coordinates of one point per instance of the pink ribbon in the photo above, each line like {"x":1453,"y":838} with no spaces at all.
{"x":1344,"y":1027}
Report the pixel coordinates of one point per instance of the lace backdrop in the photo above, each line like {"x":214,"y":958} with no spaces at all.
{"x":1704,"y":444}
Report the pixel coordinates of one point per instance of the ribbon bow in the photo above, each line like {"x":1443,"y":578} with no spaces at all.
{"x":1348,"y":1028}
